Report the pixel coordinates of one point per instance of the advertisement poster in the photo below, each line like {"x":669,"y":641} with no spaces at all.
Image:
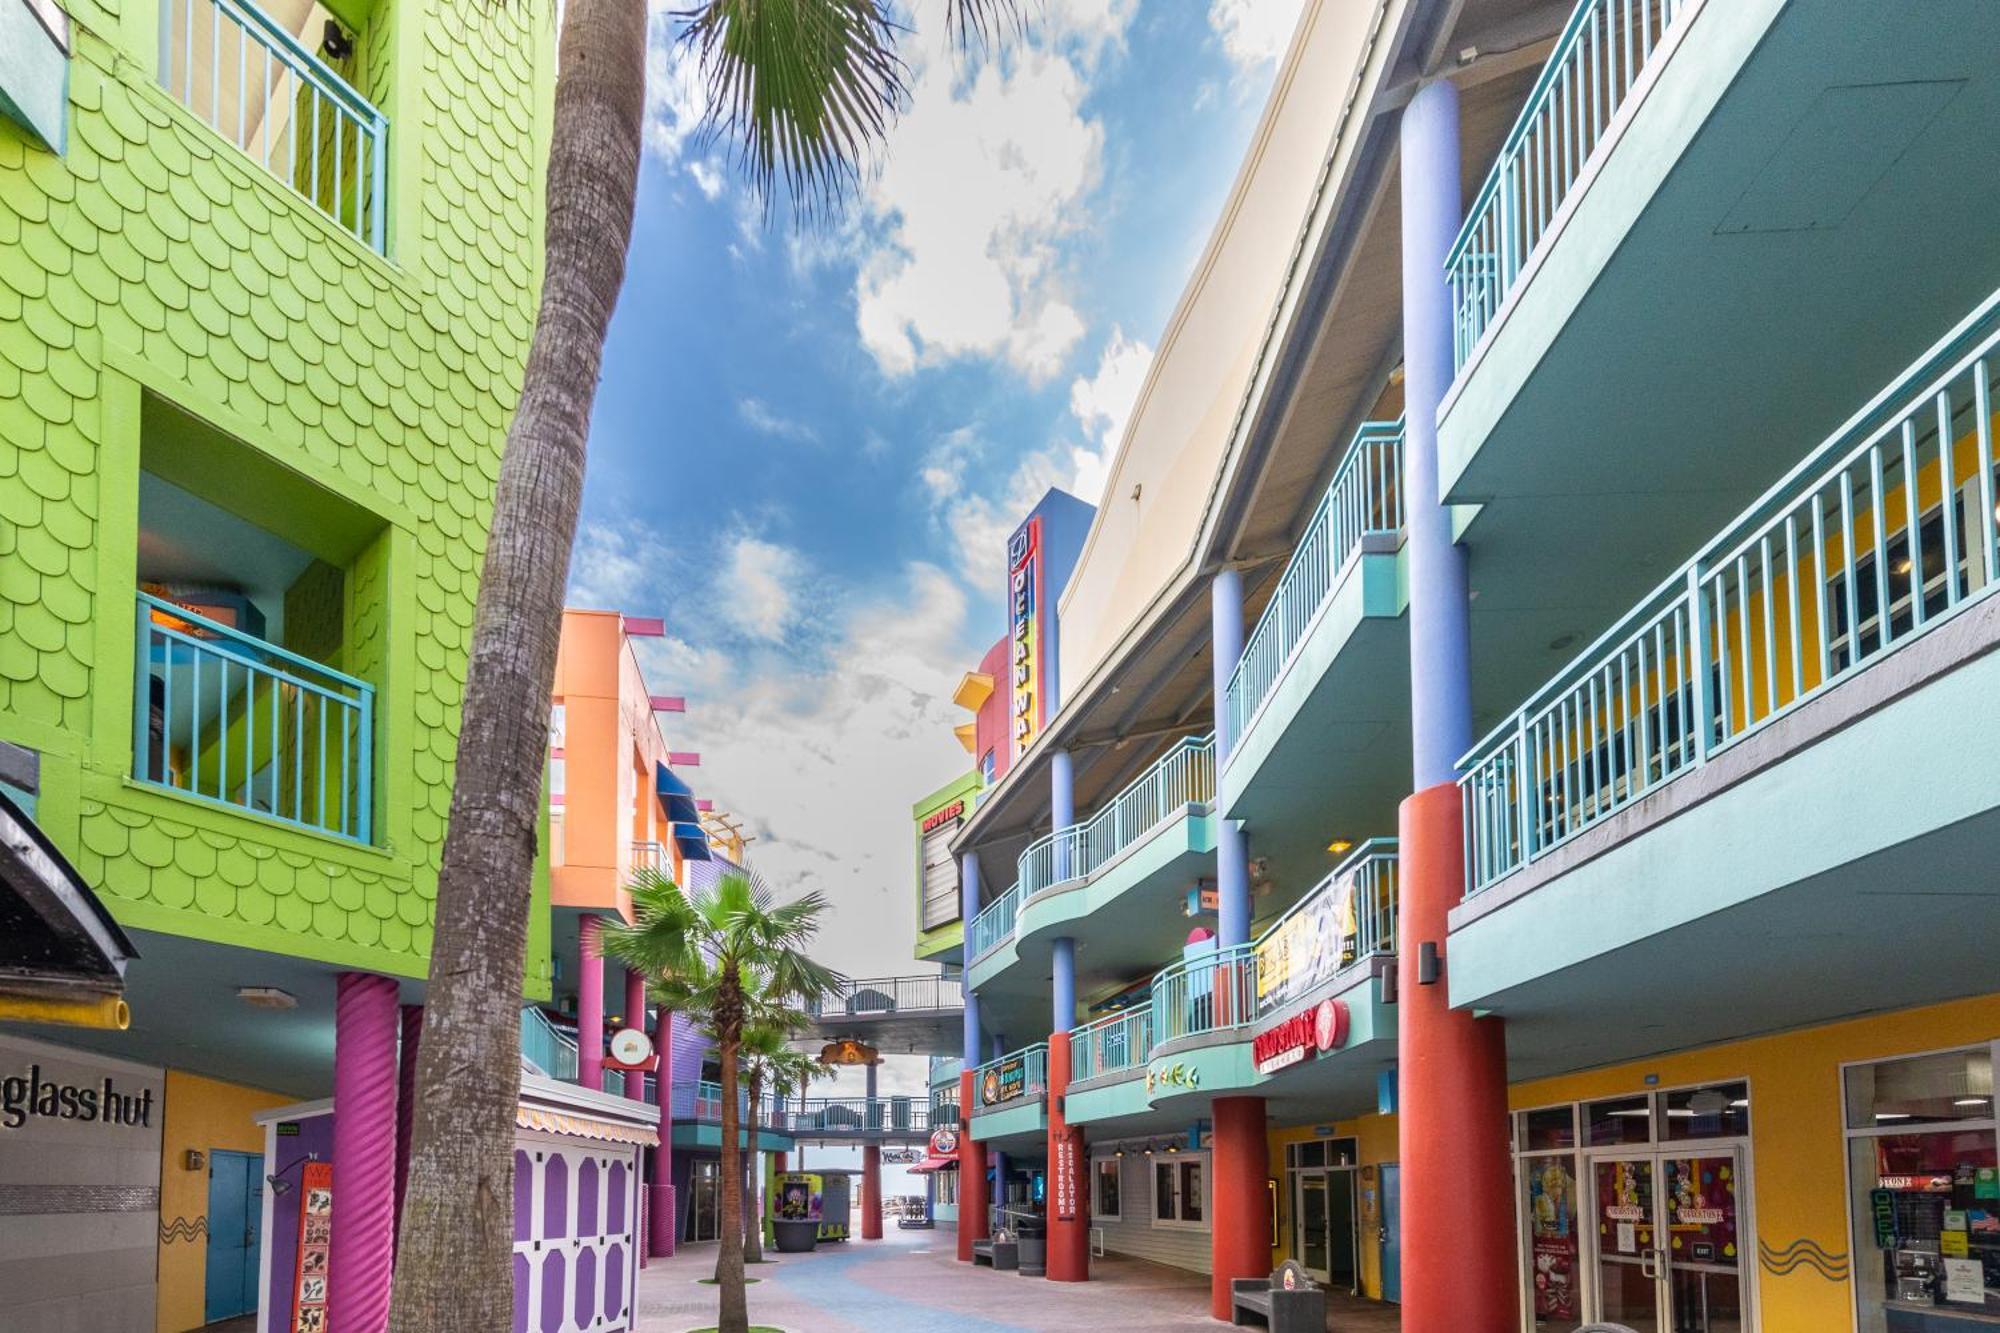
{"x":1004,"y":1082}
{"x":1552,"y":1228}
{"x":1308,"y":947}
{"x":1701,"y":1209}
{"x":1625,"y":1206}
{"x":315,"y":1244}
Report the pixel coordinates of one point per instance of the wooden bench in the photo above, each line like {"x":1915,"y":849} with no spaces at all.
{"x":1289,"y":1301}
{"x":1003,"y":1255}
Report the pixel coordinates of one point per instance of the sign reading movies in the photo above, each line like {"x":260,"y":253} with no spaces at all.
{"x":1025,"y":562}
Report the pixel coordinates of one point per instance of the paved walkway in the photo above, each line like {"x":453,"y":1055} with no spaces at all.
{"x":910,"y":1282}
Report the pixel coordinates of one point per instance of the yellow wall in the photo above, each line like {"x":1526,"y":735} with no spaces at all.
{"x":201,"y":1114}
{"x":1798,"y":1167}
{"x":1375,"y":1143}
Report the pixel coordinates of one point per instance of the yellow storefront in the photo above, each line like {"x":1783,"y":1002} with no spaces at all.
{"x":203,"y":1118}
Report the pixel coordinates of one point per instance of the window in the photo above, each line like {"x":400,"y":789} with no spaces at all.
{"x":1104,"y":1189}
{"x":947,"y":1186}
{"x":1179,"y":1197}
{"x":1626,"y":1120}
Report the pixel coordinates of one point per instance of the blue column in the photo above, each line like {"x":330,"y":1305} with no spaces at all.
{"x":1232,"y":851}
{"x":968,"y":908}
{"x":1062,"y":791}
{"x":1440,"y":663}
{"x":1063,"y":984}
{"x":998,"y":1044}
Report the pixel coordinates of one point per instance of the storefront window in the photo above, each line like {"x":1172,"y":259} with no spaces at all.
{"x":1548,"y":1182}
{"x":1104,"y":1191}
{"x":1551,"y":1127}
{"x":1177,"y":1193}
{"x":1625,"y":1120}
{"x":1718,"y":1112}
{"x":1924,"y":1183}
{"x":1190,"y":1191}
{"x":947,"y":1187}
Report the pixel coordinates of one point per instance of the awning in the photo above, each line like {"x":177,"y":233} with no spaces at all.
{"x":583,"y":1126}
{"x":935,"y":1163}
{"x":683,"y":814}
{"x":62,"y":956}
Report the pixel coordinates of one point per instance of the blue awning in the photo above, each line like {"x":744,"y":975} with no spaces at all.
{"x":692,"y":841}
{"x":676,"y":796}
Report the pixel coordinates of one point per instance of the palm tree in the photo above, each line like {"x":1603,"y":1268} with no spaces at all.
{"x":769,"y":1061}
{"x":805,"y":90}
{"x":730,"y":955}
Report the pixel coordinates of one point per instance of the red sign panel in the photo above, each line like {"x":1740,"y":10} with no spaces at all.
{"x":1320,"y":1028}
{"x":315,"y":1247}
{"x":1063,"y":1173}
{"x":944,"y":816}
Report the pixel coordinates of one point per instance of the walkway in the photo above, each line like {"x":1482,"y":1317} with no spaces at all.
{"x":910,"y":1282}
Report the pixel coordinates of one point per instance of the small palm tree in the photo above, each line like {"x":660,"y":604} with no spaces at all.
{"x":769,"y":1061}
{"x":730,"y":956}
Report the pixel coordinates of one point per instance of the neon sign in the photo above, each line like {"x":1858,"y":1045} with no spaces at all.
{"x":1024,"y":593}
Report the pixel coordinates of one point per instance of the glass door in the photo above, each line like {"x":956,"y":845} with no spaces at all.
{"x":704,"y":1220}
{"x":1626,"y":1240}
{"x":1311,"y":1215}
{"x":1704,"y":1254}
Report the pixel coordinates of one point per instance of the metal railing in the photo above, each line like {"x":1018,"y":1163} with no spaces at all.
{"x":1365,"y":497}
{"x":944,"y":1112}
{"x":856,"y":1115}
{"x":1600,"y":56}
{"x":1012,"y":1079}
{"x":547,"y":1047}
{"x":1183,"y":776}
{"x":861,"y":997}
{"x":1350,"y":916}
{"x":260,"y":88}
{"x":1206,"y":994}
{"x":1786,"y":602}
{"x":1112,"y":1044}
{"x":221,"y":716}
{"x":652,"y":856}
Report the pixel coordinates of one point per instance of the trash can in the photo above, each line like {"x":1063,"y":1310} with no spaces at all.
{"x":1033,"y":1239}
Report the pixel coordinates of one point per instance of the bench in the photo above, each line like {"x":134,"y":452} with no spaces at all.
{"x":1289,"y":1300}
{"x":1002,"y":1254}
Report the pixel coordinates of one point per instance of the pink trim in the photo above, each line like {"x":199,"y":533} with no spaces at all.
{"x":644,"y":627}
{"x":684,"y":759}
{"x":669,"y":703}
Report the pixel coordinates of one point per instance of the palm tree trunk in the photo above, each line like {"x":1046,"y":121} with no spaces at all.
{"x":454,"y":1266}
{"x":753,"y":1231}
{"x":735,"y":1313}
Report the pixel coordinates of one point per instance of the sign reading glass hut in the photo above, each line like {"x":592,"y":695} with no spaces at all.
{"x":79,"y":1190}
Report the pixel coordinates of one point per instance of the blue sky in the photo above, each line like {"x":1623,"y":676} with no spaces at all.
{"x":808,"y":449}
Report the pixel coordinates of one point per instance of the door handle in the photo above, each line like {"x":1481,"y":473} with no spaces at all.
{"x":1649,"y":1264}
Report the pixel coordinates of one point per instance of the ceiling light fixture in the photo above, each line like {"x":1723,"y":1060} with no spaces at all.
{"x":1341,"y":846}
{"x":267,"y":997}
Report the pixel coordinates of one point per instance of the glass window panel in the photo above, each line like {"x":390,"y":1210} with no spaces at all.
{"x":1951,"y":1085}
{"x":1191,"y":1191}
{"x":1924,"y":1214}
{"x":1312,"y":1154}
{"x":1625,"y":1120}
{"x":1720,"y":1111}
{"x":1164,"y":1206}
{"x":1342,"y":1152}
{"x":1554,"y":1272}
{"x":1551,"y":1127}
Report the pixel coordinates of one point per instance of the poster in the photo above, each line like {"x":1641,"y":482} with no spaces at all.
{"x":1552,"y":1229}
{"x":1004,"y":1082}
{"x":1701,"y":1209}
{"x":1965,"y":1281}
{"x":315,"y":1244}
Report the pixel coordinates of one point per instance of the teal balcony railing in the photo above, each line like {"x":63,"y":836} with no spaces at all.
{"x":223,"y":717}
{"x":262,"y":89}
{"x":864,"y":997}
{"x":1011,"y":1080}
{"x":944,"y":1070}
{"x":1884,"y":531}
{"x":1183,"y":776}
{"x":1206,"y":994}
{"x":1112,"y":1044}
{"x":1347,"y":918}
{"x":1365,"y":497}
{"x":547,"y":1047}
{"x":1604,"y":49}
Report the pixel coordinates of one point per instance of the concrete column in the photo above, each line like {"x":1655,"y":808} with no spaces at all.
{"x":364,"y":1151}
{"x":1232,"y":850}
{"x":871,"y":1170}
{"x":635,"y":1017}
{"x":971,"y":1174}
{"x":660,"y":1170}
{"x":406,"y":1101}
{"x":1062,"y":984}
{"x":1062,"y":814}
{"x":589,"y":1005}
{"x":968,"y":906}
{"x":1068,"y":1207}
{"x":1240,"y":1241}
{"x":1457,"y":1240}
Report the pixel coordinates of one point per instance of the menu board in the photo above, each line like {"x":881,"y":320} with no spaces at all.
{"x":315,"y":1245}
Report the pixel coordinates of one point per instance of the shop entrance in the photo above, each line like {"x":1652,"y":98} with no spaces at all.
{"x":1666,"y":1240}
{"x":704,"y":1216}
{"x":235,"y":1230}
{"x":1323,"y":1209}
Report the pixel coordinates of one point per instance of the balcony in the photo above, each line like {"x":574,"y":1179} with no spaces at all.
{"x":1712,"y":222}
{"x":1724,"y":801}
{"x":1114,"y":1046}
{"x":653,"y":856}
{"x":257,"y":84}
{"x":919,"y":1014}
{"x":547,"y":1047}
{"x":225,"y":718}
{"x":944,"y":1071}
{"x":1010,"y":1098}
{"x":697,"y":1118}
{"x":1319,"y":701}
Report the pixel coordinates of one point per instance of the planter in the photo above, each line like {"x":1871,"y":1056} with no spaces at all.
{"x":795,"y":1235}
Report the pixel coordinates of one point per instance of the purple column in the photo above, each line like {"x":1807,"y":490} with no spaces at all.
{"x":968,"y":908}
{"x":660,"y":1171}
{"x":1232,"y":851}
{"x":364,"y":1152}
{"x":635,"y":1081}
{"x":406,"y":1102}
{"x":589,"y":1005}
{"x":1440,"y":661}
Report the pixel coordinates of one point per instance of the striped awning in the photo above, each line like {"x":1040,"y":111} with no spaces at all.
{"x":551,"y":1121}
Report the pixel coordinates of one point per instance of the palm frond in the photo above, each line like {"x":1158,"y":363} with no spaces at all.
{"x":978,"y":23}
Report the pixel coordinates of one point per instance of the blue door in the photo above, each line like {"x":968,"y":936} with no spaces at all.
{"x":235,"y":1233}
{"x":1392,"y":1233}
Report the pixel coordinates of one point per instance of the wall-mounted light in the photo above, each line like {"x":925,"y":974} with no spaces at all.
{"x":194,"y":1159}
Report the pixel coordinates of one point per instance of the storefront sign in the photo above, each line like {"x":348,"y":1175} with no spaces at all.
{"x":1309,"y":947}
{"x":1320,"y":1028}
{"x":1024,"y":595}
{"x":1003,"y":1082}
{"x":315,"y":1246}
{"x":1917,"y":1184}
{"x":42,"y":1094}
{"x":944,"y":1142}
{"x":1176,"y":1075}
{"x":848,"y":1051}
{"x":940,"y":817}
{"x":1064,"y":1171}
{"x":1882,"y":1206}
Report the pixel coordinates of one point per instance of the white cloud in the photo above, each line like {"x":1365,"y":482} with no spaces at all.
{"x":758,"y":588}
{"x":607,"y":568}
{"x":1102,"y":405}
{"x":760,"y":417}
{"x":677,"y":101}
{"x":1253,"y":32}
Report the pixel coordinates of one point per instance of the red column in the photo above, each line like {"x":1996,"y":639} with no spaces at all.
{"x":364,"y":1152}
{"x":589,"y":1006}
{"x":1240,"y":1243}
{"x":1069,"y":1180}
{"x":971,"y":1175}
{"x":871,"y":1192}
{"x":1457,"y":1209}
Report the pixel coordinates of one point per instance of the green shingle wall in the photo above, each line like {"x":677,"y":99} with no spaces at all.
{"x":155,"y":259}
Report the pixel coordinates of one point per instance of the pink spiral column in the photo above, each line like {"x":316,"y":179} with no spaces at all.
{"x":589,"y":1004}
{"x":660,"y":1211}
{"x":406,"y":1102}
{"x":635,"y":1085}
{"x":364,"y":1153}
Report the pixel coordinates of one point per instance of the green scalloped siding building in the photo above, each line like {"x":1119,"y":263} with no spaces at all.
{"x":267,"y":282}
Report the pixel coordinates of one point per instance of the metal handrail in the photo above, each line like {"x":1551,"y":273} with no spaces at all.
{"x":547,"y":1047}
{"x":1364,"y":498}
{"x":1598,"y":59}
{"x":1781,"y":605}
{"x":1211,"y":993}
{"x":228,"y":699}
{"x":1112,"y":1044}
{"x":862,"y":996}
{"x":1183,"y":776}
{"x":1347,"y":918}
{"x":1034,"y":1078}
